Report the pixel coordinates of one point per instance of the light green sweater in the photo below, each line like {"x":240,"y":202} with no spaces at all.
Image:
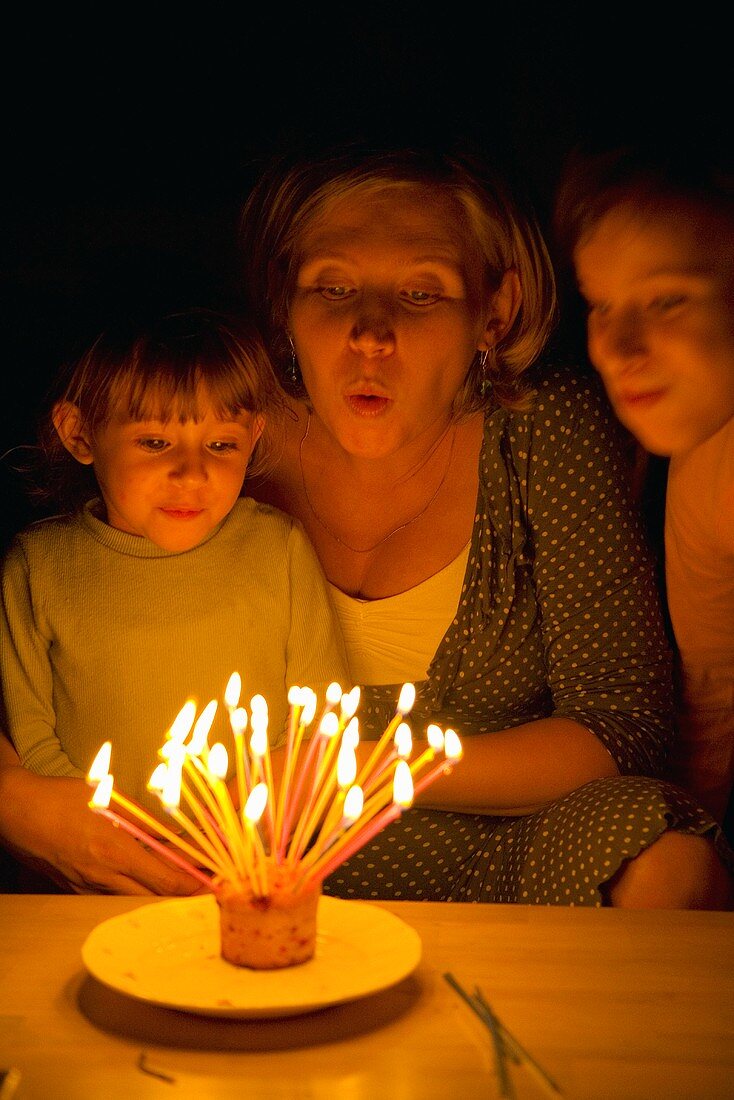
{"x":104,"y":636}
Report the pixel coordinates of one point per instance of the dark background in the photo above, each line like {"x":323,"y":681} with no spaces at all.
{"x":131,"y":138}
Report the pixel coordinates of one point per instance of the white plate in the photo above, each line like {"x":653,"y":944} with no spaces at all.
{"x":167,"y":954}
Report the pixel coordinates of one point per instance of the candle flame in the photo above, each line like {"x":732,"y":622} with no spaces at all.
{"x":197,"y":744}
{"x":258,"y":710}
{"x":101,"y":763}
{"x":233,"y":690}
{"x":452,"y":745}
{"x":402,"y":784}
{"x":259,"y":738}
{"x":350,"y":702}
{"x":403,"y":740}
{"x":351,"y":733}
{"x":183,"y":721}
{"x":255,"y":805}
{"x":346,"y":766}
{"x":295,"y":696}
{"x":217,"y":760}
{"x":435,"y":737}
{"x":406,"y":698}
{"x":103,"y":793}
{"x":334,"y":694}
{"x":158,"y":778}
{"x":329,"y":724}
{"x":353,"y":803}
{"x":171,"y":790}
{"x":309,"y":706}
{"x":238,"y":720}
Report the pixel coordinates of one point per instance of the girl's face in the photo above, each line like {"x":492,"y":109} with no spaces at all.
{"x":387,"y":315}
{"x":169,"y":482}
{"x":660,"y":289}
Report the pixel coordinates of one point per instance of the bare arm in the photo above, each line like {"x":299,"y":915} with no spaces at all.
{"x":46,"y":823}
{"x":520,"y":770}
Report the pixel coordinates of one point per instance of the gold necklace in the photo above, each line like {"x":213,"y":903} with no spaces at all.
{"x":389,"y":535}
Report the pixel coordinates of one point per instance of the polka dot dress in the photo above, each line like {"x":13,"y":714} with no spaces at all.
{"x":559,"y":614}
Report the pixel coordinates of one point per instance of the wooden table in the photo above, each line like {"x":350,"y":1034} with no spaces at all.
{"x":611,"y":1003}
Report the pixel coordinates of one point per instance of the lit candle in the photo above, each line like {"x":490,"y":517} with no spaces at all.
{"x":347,"y":845}
{"x":453,"y":751}
{"x":406,"y":700}
{"x":254,"y":809}
{"x":342,"y":808}
{"x":105,"y":792}
{"x":171,"y":855}
{"x":238,"y":725}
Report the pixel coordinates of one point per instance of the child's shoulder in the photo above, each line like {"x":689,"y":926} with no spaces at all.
{"x":267,"y":519}
{"x":51,"y":530}
{"x":248,"y":510}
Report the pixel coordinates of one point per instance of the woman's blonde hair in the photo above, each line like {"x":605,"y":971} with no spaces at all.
{"x":293,"y":193}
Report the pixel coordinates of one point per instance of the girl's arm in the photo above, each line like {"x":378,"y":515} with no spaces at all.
{"x":46,"y":824}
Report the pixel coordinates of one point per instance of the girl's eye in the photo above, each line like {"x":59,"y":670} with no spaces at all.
{"x":598,"y":309}
{"x":220,"y":447}
{"x":153,"y":444}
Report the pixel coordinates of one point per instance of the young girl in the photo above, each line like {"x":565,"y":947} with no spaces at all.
{"x":652,"y":241}
{"x":160,"y":580}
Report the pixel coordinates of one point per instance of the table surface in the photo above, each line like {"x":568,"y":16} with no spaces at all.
{"x":611,"y":1003}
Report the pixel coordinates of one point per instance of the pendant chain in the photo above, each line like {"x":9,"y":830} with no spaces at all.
{"x":389,"y":535}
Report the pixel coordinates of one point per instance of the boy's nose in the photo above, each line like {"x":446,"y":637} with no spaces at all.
{"x":620,"y":343}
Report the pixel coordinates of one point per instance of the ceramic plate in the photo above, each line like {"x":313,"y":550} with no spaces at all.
{"x":167,"y":954}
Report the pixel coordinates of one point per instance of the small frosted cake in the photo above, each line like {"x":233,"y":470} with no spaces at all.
{"x":266,"y":933}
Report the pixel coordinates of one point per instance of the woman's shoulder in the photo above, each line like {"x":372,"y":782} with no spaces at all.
{"x":566,"y":398}
{"x":569,"y":419}
{"x":557,"y":380}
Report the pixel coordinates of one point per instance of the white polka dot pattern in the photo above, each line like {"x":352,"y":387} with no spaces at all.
{"x":559,"y":614}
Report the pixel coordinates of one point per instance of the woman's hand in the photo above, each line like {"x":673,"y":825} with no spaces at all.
{"x":47,"y":824}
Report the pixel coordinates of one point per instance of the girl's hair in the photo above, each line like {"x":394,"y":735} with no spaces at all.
{"x":645,"y":175}
{"x":156,"y":369}
{"x":294,"y":192}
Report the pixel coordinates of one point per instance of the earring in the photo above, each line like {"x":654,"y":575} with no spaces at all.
{"x":485,"y":384}
{"x":293,"y":376}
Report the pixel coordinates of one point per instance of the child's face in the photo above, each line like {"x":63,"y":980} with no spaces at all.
{"x":170,"y":482}
{"x":660,"y":289}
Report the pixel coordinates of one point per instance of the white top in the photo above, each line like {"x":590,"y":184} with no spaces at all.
{"x":393,"y":640}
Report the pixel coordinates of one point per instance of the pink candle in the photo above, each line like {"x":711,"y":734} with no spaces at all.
{"x":322,"y":870}
{"x":150,"y":842}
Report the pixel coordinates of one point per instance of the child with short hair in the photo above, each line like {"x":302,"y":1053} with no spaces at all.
{"x":651,"y":237}
{"x":161,"y":579}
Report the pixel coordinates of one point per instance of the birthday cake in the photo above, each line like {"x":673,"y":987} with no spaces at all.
{"x":266,"y":853}
{"x":267,"y":932}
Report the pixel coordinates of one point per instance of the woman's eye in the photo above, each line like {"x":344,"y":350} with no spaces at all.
{"x":421,"y":297}
{"x":335,"y":293}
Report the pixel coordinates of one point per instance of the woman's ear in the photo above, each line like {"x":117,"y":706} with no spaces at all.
{"x":69,"y":427}
{"x":503,"y":309}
